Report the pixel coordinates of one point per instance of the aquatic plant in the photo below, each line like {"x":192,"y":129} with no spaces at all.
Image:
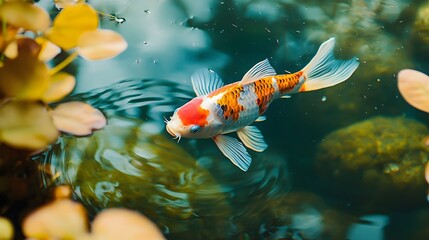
{"x":31,"y":86}
{"x":27,"y":43}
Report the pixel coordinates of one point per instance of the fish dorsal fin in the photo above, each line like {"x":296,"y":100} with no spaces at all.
{"x":252,"y":138}
{"x":260,"y":70}
{"x":205,"y":81}
{"x":234,"y":151}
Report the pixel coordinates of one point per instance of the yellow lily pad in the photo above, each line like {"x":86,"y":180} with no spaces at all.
{"x":414,"y":87}
{"x":78,"y":118}
{"x":11,"y":50}
{"x":60,"y":219}
{"x":48,"y":49}
{"x":65,"y":3}
{"x":7,"y":35}
{"x":134,"y":225}
{"x":6,"y":229}
{"x":25,"y":15}
{"x":101,"y":44}
{"x":71,"y":23}
{"x":24,"y":77}
{"x":26,"y":125}
{"x":61,"y":85}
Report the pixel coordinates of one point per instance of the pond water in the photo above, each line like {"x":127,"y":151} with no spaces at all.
{"x":346,"y":162}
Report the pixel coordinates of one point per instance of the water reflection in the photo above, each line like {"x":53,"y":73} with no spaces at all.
{"x":189,"y":189}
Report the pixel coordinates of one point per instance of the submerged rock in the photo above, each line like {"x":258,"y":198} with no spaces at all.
{"x":376,"y":165}
{"x":302,"y":215}
{"x":129,"y":164}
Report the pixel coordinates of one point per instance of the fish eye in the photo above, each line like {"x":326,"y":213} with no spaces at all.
{"x":195,"y":128}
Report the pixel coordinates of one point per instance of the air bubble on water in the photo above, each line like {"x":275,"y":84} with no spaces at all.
{"x":324,"y":98}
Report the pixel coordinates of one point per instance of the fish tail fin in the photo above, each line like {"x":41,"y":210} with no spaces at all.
{"x":324,"y":70}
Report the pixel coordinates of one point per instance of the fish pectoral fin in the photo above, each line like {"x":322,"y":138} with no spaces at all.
{"x":261,"y":119}
{"x":252,"y":138}
{"x":260,"y":70}
{"x":234,"y":151}
{"x":205,"y":81}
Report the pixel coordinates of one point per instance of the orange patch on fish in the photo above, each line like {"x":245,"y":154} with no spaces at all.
{"x":193,"y":113}
{"x":287,"y":82}
{"x":264,"y":90}
{"x":229,"y":101}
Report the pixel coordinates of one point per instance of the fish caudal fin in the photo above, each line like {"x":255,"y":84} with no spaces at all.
{"x":324,"y":70}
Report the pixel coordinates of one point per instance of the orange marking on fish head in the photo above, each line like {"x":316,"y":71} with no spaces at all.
{"x":193,"y":114}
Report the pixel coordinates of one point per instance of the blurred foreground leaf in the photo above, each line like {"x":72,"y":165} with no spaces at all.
{"x":48,"y":49}
{"x":77,"y":118}
{"x":61,"y":85}
{"x":24,"y":77}
{"x":414,"y":87}
{"x":66,"y":3}
{"x":61,"y":219}
{"x":71,"y":23}
{"x":101,"y":44}
{"x":134,"y":226}
{"x":6,"y":229}
{"x":26,"y":125}
{"x":25,"y":15}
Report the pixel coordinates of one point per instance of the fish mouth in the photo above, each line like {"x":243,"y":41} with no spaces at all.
{"x":172,"y":133}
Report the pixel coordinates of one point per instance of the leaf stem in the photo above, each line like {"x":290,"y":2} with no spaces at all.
{"x":63,"y":64}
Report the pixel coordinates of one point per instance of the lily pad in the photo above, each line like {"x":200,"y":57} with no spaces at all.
{"x":101,"y":44}
{"x":48,"y":49}
{"x":61,"y":85}
{"x":65,"y":3}
{"x":26,"y":124}
{"x":61,"y":219}
{"x":134,"y":225}
{"x":6,"y":229}
{"x":414,"y":87}
{"x":71,"y":23}
{"x":24,"y":77}
{"x":25,"y":15}
{"x":77,"y":118}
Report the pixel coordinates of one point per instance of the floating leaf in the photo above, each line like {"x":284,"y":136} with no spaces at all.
{"x":24,"y":77}
{"x":7,"y":35}
{"x":26,"y":124}
{"x":11,"y":50}
{"x":61,"y":219}
{"x":77,"y":118}
{"x":71,"y":23}
{"x":66,"y":3}
{"x":414,"y":87}
{"x":25,"y":15}
{"x":48,"y":49}
{"x":133,"y":226}
{"x":61,"y":85}
{"x":6,"y":229}
{"x":101,"y":44}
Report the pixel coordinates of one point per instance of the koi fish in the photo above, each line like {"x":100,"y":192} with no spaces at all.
{"x":219,"y":109}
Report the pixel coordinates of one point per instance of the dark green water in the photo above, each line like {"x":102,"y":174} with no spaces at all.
{"x":311,"y":183}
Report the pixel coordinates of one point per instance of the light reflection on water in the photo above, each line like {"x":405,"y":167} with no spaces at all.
{"x":189,"y":189}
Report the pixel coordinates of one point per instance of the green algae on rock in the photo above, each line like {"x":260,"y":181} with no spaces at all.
{"x":128,"y":164}
{"x":376,"y":165}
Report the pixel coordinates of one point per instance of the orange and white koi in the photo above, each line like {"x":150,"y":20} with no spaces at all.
{"x":218,"y":109}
